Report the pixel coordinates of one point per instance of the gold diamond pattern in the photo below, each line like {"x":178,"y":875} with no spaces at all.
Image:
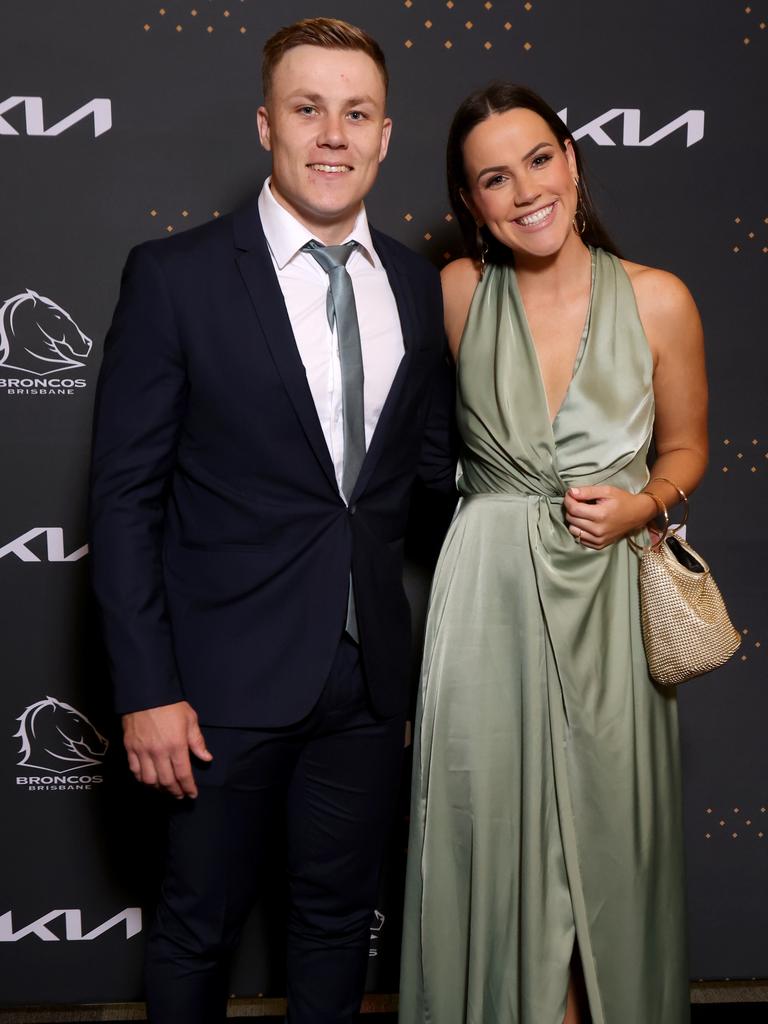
{"x":732,"y":830}
{"x":469,"y":24}
{"x":749,"y":235}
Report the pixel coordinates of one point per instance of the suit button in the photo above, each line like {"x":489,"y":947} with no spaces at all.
{"x":352,"y":509}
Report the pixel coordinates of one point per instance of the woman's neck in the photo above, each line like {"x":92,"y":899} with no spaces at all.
{"x":558,"y":274}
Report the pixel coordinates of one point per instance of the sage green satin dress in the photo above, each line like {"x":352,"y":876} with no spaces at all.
{"x":546,"y":807}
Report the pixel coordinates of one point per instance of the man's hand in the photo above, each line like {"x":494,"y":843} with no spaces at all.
{"x":158,"y":742}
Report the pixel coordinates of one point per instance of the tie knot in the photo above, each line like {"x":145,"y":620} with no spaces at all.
{"x":330,"y":256}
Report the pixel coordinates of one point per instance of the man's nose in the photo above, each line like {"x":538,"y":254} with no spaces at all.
{"x":333,"y":132}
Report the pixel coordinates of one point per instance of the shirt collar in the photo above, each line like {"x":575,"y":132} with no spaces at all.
{"x":286,"y":236}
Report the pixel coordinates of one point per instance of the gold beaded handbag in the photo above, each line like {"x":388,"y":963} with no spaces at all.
{"x":685,"y":624}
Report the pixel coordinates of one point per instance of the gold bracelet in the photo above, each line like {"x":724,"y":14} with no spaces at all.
{"x":662,"y":511}
{"x":683,"y":499}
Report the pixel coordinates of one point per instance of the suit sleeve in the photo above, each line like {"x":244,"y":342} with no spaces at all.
{"x":439,"y":451}
{"x":140,"y":404}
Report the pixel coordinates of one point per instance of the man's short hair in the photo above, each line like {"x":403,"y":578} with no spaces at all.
{"x":328,"y":33}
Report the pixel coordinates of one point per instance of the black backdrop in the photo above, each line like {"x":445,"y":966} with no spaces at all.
{"x":127,"y":119}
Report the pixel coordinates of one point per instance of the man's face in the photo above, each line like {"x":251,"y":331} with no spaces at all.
{"x":324,"y":124}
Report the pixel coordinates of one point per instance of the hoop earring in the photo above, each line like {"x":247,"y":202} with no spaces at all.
{"x":579,"y":228}
{"x":482,"y":246}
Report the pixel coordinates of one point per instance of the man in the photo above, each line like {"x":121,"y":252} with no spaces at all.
{"x":264,"y":407}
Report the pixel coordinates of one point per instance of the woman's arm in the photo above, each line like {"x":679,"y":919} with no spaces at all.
{"x":673,"y":327}
{"x":459,"y":280}
{"x":601,"y":515}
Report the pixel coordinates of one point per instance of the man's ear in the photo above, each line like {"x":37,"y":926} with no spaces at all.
{"x":262,"y":121}
{"x":386,"y":132}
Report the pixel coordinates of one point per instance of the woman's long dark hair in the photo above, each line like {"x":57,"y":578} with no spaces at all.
{"x":497,"y":98}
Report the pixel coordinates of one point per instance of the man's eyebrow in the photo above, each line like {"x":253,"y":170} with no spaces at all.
{"x":313,"y":97}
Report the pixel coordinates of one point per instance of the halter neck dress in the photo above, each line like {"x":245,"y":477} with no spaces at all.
{"x":546,"y":808}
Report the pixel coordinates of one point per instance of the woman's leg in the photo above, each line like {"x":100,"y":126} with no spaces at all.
{"x":572,"y":1013}
{"x":577,"y":1004}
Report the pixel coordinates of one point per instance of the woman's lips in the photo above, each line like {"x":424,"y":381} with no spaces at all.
{"x":540,"y":218}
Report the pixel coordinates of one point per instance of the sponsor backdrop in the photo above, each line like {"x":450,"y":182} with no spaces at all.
{"x":136,"y":118}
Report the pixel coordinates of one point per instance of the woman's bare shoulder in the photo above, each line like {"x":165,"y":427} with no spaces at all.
{"x":658,"y":290}
{"x":459,"y":280}
{"x":460,"y":272}
{"x":666,"y":307}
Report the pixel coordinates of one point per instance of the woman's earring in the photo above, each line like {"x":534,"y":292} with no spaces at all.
{"x":579,"y":226}
{"x":482,"y":246}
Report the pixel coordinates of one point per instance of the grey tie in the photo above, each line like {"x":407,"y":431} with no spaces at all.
{"x":341,"y":310}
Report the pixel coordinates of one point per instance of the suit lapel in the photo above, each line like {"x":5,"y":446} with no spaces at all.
{"x":258,"y":273}
{"x":401,"y":289}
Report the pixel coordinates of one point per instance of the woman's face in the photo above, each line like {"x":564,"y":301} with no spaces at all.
{"x":521,"y":183}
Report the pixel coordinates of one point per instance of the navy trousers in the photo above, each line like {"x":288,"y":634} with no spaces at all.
{"x":331,"y":780}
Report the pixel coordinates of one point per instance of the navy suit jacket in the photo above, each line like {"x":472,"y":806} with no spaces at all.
{"x":221,"y":546}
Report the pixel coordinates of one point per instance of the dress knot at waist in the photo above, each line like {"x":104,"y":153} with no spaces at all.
{"x":512,"y":496}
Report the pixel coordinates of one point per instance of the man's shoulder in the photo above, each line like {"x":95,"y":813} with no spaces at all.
{"x":406,"y":259}
{"x":200,"y":240}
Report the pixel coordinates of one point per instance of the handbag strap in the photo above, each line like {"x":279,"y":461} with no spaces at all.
{"x":683,"y":499}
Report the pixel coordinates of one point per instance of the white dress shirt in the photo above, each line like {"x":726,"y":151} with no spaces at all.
{"x":304,"y":285}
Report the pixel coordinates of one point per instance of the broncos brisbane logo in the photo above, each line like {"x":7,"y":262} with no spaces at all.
{"x":55,"y":737}
{"x":39,"y":337}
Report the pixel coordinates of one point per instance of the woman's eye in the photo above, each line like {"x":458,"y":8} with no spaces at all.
{"x":539,"y":161}
{"x":495,"y":181}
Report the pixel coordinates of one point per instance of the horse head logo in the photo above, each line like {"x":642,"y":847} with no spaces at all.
{"x":55,"y":737}
{"x":39,"y":337}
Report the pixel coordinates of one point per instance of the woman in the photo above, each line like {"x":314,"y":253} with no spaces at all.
{"x":545,"y":879}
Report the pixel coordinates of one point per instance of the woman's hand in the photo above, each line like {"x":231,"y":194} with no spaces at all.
{"x":600,"y":515}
